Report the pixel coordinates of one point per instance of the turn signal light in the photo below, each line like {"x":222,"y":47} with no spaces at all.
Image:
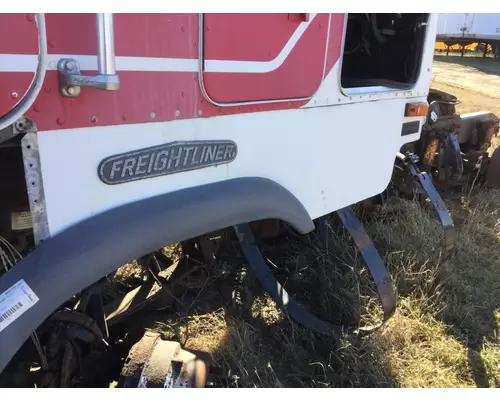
{"x":416,"y":110}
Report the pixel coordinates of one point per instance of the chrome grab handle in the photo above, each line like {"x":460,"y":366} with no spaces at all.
{"x":105,"y":44}
{"x":70,"y":78}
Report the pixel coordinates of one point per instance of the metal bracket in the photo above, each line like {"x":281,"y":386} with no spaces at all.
{"x":297,"y":311}
{"x":410,"y":160}
{"x":34,"y":184}
{"x":70,"y":78}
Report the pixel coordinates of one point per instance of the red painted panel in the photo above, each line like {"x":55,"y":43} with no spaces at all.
{"x":247,"y":37}
{"x":140,"y":99}
{"x":137,"y":35}
{"x":13,"y":86}
{"x":299,"y":76}
{"x":158,"y":96}
{"x":18,"y":34}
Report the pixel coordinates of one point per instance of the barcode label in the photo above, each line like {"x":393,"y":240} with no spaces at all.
{"x":10,"y":311}
{"x":14,"y":302}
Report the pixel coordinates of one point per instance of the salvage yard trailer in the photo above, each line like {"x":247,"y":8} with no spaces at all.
{"x":120,"y":141}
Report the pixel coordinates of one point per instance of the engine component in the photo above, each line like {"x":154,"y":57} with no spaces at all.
{"x":157,"y":363}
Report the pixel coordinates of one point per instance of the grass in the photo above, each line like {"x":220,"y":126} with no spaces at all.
{"x":445,"y":332}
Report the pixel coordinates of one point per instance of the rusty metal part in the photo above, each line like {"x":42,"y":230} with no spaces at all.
{"x":410,"y":160}
{"x":72,"y":336}
{"x":297,"y":311}
{"x":477,"y":129}
{"x":157,"y":363}
{"x":80,"y":319}
{"x":491,"y":128}
{"x":493,"y":170}
{"x":451,"y":157}
{"x":430,"y":153}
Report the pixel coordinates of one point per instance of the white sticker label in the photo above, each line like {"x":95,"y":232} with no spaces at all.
{"x":14,"y":302}
{"x":21,"y":221}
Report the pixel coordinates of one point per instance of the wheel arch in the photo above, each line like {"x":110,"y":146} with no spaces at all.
{"x":85,"y":252}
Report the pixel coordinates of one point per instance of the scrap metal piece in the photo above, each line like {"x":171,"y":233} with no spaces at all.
{"x":453,"y":157}
{"x":296,"y":310}
{"x":34,"y":184}
{"x":374,"y":263}
{"x":157,"y":363}
{"x":493,"y":169}
{"x":410,"y":160}
{"x":136,"y":300}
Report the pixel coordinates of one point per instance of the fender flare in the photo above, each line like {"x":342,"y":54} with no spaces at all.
{"x":87,"y":251}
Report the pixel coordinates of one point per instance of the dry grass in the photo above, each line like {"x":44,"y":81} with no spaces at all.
{"x":444,"y":334}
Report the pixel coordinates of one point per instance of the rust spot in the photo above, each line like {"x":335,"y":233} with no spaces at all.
{"x":430,"y":153}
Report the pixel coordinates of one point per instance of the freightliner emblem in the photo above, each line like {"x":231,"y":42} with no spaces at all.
{"x":165,"y":159}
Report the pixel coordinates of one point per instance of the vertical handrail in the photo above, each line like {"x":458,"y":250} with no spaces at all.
{"x":70,"y":78}
{"x":105,"y":44}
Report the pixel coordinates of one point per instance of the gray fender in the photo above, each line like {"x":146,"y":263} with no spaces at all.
{"x":82,"y":254}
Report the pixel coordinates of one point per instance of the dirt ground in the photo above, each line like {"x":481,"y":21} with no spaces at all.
{"x":475,"y":81}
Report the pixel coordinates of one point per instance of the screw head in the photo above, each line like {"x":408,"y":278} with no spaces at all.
{"x":70,"y":65}
{"x":73,"y":90}
{"x":14,"y":95}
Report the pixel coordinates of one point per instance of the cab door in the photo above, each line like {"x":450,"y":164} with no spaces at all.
{"x":262,"y":57}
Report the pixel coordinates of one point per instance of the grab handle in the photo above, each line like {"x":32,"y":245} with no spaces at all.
{"x":70,"y":78}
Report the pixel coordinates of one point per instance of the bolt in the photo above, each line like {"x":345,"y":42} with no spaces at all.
{"x":177,"y":113}
{"x":14,"y":95}
{"x":94,"y":119}
{"x":30,"y":17}
{"x":72,"y":90}
{"x":70,"y":65}
{"x":199,"y":112}
{"x":60,"y":121}
{"x":152,"y":115}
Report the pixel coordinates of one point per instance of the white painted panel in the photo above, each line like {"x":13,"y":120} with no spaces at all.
{"x":328,"y":157}
{"x":474,"y":25}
